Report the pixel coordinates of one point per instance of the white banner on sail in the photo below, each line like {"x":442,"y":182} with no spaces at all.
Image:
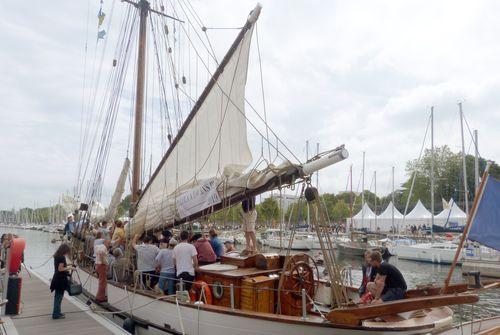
{"x":197,"y":199}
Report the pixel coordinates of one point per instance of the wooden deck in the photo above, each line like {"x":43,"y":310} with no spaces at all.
{"x":36,"y":314}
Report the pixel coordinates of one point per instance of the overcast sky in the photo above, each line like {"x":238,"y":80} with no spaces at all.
{"x":359,"y":73}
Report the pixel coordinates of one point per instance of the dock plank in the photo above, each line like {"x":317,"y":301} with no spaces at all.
{"x":36,"y":313}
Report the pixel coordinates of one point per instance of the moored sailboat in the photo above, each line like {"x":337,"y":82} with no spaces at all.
{"x":207,"y":167}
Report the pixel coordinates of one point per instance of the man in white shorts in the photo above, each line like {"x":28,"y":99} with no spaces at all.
{"x":249,"y":216}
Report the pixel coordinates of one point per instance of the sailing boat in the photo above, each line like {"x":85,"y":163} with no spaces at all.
{"x":205,"y":169}
{"x":434,"y":252}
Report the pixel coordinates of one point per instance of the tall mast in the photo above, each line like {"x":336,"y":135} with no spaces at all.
{"x":392,"y":196}
{"x":308,"y":208}
{"x":432,"y":173}
{"x":363,"y":193}
{"x":350,"y":195}
{"x":476,"y":162}
{"x":375,"y":202}
{"x":464,"y":167}
{"x":143,"y":6}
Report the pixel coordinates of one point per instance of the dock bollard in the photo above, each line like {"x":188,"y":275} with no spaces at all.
{"x":231,"y":290}
{"x":304,"y":305}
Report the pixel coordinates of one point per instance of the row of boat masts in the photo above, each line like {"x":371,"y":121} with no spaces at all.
{"x":34,"y":216}
{"x":432,"y":172}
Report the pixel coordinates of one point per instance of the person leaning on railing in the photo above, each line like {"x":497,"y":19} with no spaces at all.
{"x":165,"y":264}
{"x":186,"y":260}
{"x":146,"y":254}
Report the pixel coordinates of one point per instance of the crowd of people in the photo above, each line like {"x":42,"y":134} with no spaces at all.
{"x":161,"y":258}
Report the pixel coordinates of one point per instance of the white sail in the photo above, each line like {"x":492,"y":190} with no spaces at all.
{"x":211,"y":146}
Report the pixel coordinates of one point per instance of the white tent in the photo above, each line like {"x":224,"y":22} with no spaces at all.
{"x":364,"y":219}
{"x":419,"y":215}
{"x":384,"y":220}
{"x":454,"y":215}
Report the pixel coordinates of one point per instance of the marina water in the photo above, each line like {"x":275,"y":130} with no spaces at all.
{"x":39,"y":250}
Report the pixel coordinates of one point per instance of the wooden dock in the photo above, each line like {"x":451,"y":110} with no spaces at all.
{"x":36,"y":313}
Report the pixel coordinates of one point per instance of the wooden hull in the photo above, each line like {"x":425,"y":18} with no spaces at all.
{"x":164,"y":316}
{"x":349,"y":249}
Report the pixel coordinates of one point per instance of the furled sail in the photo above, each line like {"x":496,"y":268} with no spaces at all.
{"x":211,"y":144}
{"x":110,"y":213}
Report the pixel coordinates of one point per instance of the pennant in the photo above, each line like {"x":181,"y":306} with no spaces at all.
{"x":485,"y":227}
{"x":101,"y":34}
{"x":101,"y":17}
{"x":446,"y":205}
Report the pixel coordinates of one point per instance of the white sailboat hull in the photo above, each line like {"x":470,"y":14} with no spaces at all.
{"x":426,"y":252}
{"x":189,"y":319}
{"x":297,"y":244}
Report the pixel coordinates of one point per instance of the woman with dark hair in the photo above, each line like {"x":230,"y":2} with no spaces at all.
{"x":60,"y":281}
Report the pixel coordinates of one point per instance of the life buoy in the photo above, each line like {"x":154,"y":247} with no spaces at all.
{"x":197,"y":288}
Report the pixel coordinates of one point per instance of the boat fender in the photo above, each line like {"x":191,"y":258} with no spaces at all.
{"x":218,"y":290}
{"x":16,"y":254}
{"x":197,"y":288}
{"x":129,"y":325}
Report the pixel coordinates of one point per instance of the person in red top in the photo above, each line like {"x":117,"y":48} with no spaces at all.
{"x":206,"y":254}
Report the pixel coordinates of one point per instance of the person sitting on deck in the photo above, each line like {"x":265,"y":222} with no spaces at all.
{"x":389,"y":283}
{"x":369,"y":272}
{"x":185,"y":260}
{"x":165,"y":261}
{"x":249,"y":217}
{"x":216,"y":243}
{"x":146,"y":254}
{"x":101,"y":267}
{"x":206,"y":254}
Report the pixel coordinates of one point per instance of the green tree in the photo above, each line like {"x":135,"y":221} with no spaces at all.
{"x":448,"y":177}
{"x":268,"y":210}
{"x":124,"y":206}
{"x":340,"y":211}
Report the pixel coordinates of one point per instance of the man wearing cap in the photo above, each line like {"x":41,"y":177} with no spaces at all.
{"x":165,"y":262}
{"x":69,"y":228}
